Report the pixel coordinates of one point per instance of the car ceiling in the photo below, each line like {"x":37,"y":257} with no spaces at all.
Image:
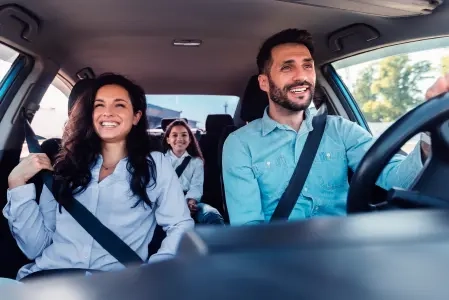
{"x":134,"y":38}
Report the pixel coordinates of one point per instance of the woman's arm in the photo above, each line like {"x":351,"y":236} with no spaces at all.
{"x":32,"y":225}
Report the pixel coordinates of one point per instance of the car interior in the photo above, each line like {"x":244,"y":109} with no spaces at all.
{"x":392,"y":244}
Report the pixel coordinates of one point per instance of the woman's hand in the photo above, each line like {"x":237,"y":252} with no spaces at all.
{"x":27,"y":168}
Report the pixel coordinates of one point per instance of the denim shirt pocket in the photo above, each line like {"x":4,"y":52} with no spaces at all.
{"x":271,"y":175}
{"x":331,"y":169}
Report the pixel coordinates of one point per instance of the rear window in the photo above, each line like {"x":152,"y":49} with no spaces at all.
{"x":195,"y":108}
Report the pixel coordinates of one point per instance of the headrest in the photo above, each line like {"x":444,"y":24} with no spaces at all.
{"x":78,"y":89}
{"x":216,"y":123}
{"x":254,"y":101}
{"x":168,"y":121}
{"x":319,"y":97}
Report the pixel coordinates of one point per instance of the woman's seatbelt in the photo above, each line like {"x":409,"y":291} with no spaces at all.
{"x":103,"y":235}
{"x":294,"y":188}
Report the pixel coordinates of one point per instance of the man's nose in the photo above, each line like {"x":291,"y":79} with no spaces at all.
{"x":300,"y":75}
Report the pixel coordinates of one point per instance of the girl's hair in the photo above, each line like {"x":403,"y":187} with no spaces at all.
{"x":193,"y":149}
{"x":81,"y":146}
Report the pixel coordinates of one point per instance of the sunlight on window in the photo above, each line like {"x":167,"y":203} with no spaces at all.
{"x":195,"y":108}
{"x":387,"y":88}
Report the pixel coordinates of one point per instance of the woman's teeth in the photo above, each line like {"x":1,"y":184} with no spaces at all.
{"x":109,"y":124}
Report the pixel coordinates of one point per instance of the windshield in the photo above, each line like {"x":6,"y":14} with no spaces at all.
{"x":195,"y":108}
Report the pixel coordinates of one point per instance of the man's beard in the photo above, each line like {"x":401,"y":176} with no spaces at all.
{"x":280,"y":96}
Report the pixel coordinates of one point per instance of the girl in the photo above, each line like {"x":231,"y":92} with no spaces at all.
{"x":108,"y":164}
{"x":179,"y":143}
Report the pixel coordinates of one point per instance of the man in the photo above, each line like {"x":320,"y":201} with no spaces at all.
{"x":259,"y":158}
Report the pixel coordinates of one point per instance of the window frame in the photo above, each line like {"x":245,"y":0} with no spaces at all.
{"x":343,"y":93}
{"x":13,"y":79}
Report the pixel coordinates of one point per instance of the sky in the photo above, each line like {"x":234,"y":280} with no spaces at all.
{"x":196,"y":107}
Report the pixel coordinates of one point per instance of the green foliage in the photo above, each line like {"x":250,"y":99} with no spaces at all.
{"x":389,"y":88}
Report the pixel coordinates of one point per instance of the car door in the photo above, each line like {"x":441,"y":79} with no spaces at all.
{"x":24,"y":78}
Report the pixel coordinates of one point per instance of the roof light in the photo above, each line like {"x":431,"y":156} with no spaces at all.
{"x":187,"y":43}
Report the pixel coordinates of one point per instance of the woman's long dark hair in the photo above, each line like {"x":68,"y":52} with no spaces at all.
{"x":193,"y":149}
{"x":81,"y":145}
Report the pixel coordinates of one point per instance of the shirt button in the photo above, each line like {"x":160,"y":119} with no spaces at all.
{"x":328,"y":155}
{"x":306,"y":189}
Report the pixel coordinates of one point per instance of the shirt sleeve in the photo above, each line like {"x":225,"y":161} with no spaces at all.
{"x":241,"y":187}
{"x":196,"y":183}
{"x":171,"y":210}
{"x":31,"y":225}
{"x":400,"y":171}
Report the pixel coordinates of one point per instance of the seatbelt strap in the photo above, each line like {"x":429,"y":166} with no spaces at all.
{"x":180,"y":169}
{"x":296,"y":184}
{"x":103,"y":235}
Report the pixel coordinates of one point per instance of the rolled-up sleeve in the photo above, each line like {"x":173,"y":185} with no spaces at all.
{"x":31,"y":225}
{"x":171,"y":211}
{"x":400,"y":171}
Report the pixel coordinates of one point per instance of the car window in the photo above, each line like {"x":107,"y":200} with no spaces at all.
{"x":7,"y":58}
{"x":195,"y":108}
{"x":388,"y":82}
{"x":50,"y":118}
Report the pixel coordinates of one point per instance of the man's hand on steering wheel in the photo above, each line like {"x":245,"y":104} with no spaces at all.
{"x":441,"y":86}
{"x":429,"y":188}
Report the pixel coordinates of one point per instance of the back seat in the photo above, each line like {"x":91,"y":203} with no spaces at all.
{"x":209,"y":144}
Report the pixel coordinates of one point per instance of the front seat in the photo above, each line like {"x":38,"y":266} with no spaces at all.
{"x":12,"y":257}
{"x":253,"y":105}
{"x":209,"y":146}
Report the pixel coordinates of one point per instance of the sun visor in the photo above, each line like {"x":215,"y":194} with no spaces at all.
{"x":384,"y":8}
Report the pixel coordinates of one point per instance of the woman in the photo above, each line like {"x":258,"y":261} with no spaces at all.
{"x":179,"y":144}
{"x":108,"y":164}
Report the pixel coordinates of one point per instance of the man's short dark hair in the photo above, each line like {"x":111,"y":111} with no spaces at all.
{"x":288,"y":36}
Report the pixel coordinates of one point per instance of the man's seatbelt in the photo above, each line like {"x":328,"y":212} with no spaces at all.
{"x":103,"y":235}
{"x":183,"y":166}
{"x":296,"y":184}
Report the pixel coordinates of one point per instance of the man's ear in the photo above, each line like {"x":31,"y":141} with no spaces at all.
{"x":263,"y":83}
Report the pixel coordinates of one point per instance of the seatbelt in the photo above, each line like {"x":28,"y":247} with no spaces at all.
{"x":296,"y":184}
{"x":103,"y":235}
{"x":180,"y":169}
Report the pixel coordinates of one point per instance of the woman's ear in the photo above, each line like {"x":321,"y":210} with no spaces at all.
{"x":137,"y":117}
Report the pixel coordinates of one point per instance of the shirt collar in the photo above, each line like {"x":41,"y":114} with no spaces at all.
{"x":170,"y":152}
{"x":269,"y":125}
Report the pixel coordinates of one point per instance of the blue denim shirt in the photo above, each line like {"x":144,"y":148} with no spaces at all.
{"x":259,"y":160}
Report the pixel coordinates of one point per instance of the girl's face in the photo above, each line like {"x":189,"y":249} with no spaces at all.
{"x":179,"y":139}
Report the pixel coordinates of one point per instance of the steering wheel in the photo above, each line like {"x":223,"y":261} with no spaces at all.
{"x":431,"y":187}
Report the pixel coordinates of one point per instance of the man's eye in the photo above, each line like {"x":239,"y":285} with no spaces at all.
{"x":286,"y":68}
